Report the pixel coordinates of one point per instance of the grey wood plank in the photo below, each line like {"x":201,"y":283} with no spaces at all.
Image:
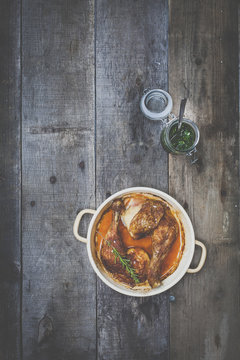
{"x":203,"y":65}
{"x":10,"y":181}
{"x":59,"y":288}
{"x":131,"y":37}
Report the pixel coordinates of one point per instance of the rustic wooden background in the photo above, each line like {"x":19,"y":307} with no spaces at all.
{"x":71,"y":133}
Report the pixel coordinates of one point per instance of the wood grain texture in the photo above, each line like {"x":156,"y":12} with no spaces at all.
{"x":131,"y":37}
{"x":59,"y":287}
{"x":203,"y":65}
{"x":10,"y":181}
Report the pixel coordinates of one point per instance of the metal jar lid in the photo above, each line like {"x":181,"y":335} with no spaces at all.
{"x":156,"y":104}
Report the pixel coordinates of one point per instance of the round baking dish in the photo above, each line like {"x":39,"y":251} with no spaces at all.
{"x":184,"y":263}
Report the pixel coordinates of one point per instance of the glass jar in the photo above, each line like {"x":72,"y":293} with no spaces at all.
{"x":156,"y":104}
{"x":174,"y":143}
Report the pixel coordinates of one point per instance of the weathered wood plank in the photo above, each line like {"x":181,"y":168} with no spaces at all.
{"x":10,"y":181}
{"x":203,"y":65}
{"x":131,"y":37}
{"x":59,"y":311}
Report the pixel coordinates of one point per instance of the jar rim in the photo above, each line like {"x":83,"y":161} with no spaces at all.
{"x":156,"y":115}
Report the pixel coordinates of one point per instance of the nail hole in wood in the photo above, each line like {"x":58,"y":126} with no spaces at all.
{"x":53,"y":179}
{"x":81,"y":165}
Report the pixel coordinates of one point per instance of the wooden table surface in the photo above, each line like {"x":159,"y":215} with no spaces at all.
{"x":71,"y":133}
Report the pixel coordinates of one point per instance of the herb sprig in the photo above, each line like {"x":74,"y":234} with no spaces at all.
{"x":123,"y":261}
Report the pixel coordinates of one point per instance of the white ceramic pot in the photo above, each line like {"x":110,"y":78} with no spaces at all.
{"x":185,"y":261}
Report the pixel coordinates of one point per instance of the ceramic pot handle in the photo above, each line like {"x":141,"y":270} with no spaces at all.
{"x":202,"y":259}
{"x":77,"y":222}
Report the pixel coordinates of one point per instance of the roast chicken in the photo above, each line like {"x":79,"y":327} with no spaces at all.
{"x":142,"y":216}
{"x":162,"y":240}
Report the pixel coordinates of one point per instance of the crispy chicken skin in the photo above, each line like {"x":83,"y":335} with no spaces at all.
{"x":162,"y":240}
{"x":112,"y":238}
{"x":146,"y":219}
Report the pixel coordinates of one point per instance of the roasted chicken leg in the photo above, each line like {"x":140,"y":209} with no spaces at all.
{"x":162,"y":240}
{"x":112,"y":239}
{"x":137,"y":258}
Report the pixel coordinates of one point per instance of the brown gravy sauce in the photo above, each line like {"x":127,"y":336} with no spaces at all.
{"x":170,"y":262}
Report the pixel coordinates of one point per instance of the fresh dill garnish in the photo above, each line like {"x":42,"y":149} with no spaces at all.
{"x":123,"y":261}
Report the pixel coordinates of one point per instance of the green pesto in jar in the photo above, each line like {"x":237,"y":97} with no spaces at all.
{"x":183,"y":139}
